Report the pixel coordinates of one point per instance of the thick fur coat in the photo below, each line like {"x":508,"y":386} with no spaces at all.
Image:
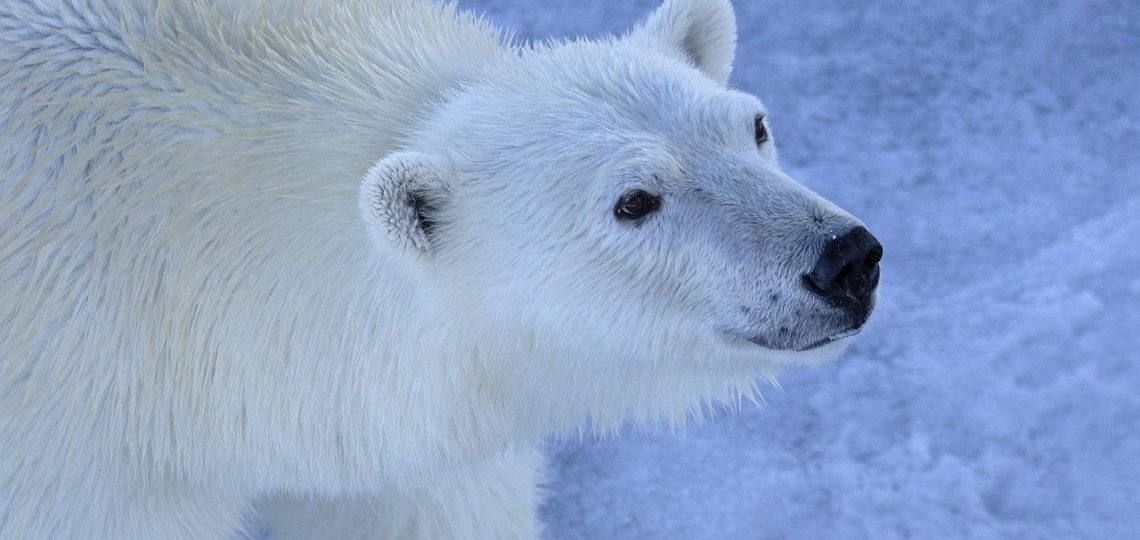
{"x":346,"y":263}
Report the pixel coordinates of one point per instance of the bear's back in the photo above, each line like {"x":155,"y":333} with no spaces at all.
{"x":178,"y":213}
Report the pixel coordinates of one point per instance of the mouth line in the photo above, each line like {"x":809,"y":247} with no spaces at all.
{"x":850,"y":332}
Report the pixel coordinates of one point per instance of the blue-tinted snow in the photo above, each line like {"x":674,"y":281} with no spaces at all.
{"x":994,"y":148}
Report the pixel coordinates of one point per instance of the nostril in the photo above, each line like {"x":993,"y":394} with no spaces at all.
{"x":822,"y":278}
{"x":873,"y":256}
{"x":844,"y":274}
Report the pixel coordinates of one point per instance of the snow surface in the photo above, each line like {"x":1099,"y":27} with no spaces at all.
{"x":994,"y":148}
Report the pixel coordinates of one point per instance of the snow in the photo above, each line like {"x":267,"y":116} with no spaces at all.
{"x":994,"y":149}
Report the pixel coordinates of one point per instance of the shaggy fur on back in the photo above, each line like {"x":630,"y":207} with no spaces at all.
{"x":157,"y":159}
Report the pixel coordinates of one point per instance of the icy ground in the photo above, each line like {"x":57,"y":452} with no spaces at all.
{"x":994,"y":148}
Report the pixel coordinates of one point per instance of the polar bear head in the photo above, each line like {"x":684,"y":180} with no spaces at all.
{"x":614,"y":205}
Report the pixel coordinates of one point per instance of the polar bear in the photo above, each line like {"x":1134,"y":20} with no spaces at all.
{"x":347,"y":263}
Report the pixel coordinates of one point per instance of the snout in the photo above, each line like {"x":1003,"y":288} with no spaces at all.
{"x":847,"y":273}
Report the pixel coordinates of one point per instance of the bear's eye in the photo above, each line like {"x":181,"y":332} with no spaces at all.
{"x":636,"y":204}
{"x":761,"y":130}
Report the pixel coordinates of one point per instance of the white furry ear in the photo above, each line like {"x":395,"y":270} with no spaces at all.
{"x":397,"y":197}
{"x":703,"y":31}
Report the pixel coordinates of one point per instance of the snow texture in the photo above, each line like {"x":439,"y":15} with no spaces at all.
{"x":994,"y":148}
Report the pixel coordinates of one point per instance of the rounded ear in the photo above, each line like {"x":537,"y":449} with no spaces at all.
{"x":703,"y":31}
{"x":397,"y":197}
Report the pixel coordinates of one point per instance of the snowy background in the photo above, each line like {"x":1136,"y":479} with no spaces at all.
{"x":994,"y":148}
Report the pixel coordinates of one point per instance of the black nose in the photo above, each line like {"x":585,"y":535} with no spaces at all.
{"x":847,"y":271}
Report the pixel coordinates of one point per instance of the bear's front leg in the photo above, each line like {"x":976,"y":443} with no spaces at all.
{"x":494,"y":499}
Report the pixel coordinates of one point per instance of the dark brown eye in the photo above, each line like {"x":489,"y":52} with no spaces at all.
{"x":761,"y":130}
{"x":636,"y":205}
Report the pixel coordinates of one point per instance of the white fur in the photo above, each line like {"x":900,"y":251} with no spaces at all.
{"x":194,"y":316}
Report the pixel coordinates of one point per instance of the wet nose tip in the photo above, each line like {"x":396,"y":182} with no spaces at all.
{"x":847,"y":271}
